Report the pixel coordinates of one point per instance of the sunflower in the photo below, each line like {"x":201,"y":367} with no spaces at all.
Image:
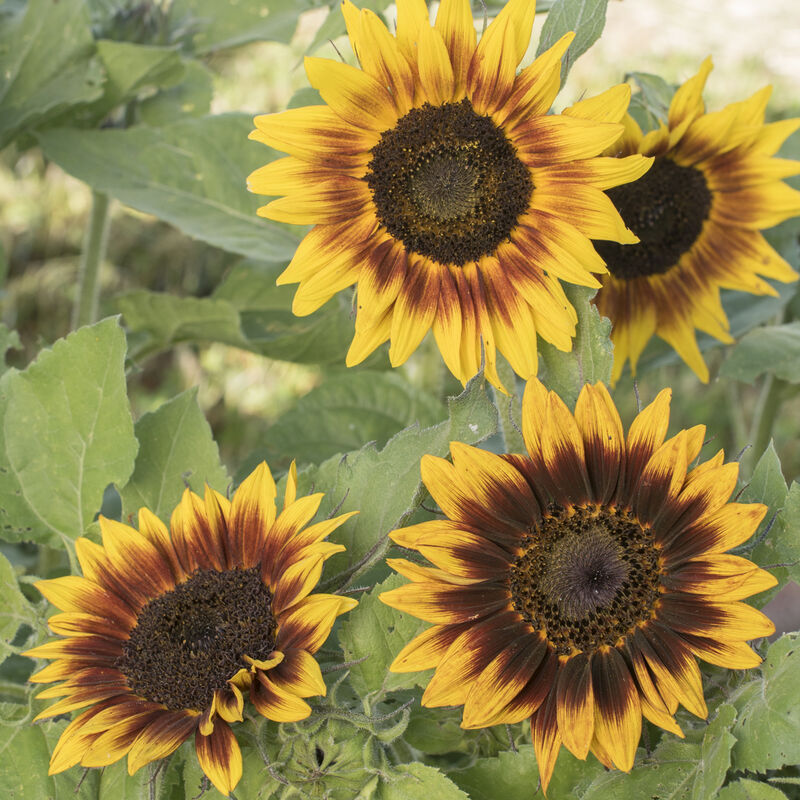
{"x":438,"y":184}
{"x":575,"y":585}
{"x":698,"y":213}
{"x":165,"y":634}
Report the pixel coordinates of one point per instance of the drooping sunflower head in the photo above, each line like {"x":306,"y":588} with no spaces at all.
{"x":698,"y":213}
{"x":167,"y":630}
{"x":438,"y":184}
{"x":575,"y":585}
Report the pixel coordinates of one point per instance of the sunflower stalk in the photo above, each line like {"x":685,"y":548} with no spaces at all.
{"x":84,"y":311}
{"x":769,"y":403}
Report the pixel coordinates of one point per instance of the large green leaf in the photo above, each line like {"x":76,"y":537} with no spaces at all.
{"x":68,"y":434}
{"x":768,"y":727}
{"x":512,"y":776}
{"x":219,"y":25}
{"x":384,"y":485}
{"x":746,"y":789}
{"x":158,"y":321}
{"x":191,"y":173}
{"x":192,"y":96}
{"x":24,"y":758}
{"x":774,"y":349}
{"x":591,"y":356}
{"x":269,"y":327}
{"x":47,"y":61}
{"x":376,"y":632}
{"x":677,"y":770}
{"x":130,"y":68}
{"x":779,"y":550}
{"x":344,"y":412}
{"x":586,"y":17}
{"x":15,"y":610}
{"x":247,"y":311}
{"x":175,"y":448}
{"x":650,"y":105}
{"x":418,"y":782}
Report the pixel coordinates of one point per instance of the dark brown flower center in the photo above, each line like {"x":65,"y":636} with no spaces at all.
{"x":666,"y":209}
{"x":189,"y":642}
{"x":586,"y":578}
{"x":447,"y":183}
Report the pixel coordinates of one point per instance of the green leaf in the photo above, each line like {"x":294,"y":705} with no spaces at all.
{"x":677,"y":770}
{"x":774,"y":349}
{"x":650,"y":105}
{"x":346,"y":411}
{"x":586,"y":17}
{"x":191,"y":173}
{"x":768,"y":727}
{"x":232,"y":24}
{"x":192,"y":96}
{"x":385,"y":485}
{"x":175,"y":445}
{"x":24,"y":758}
{"x":418,"y":782}
{"x":9,"y":340}
{"x":246,"y":311}
{"x":781,"y":545}
{"x":71,"y":784}
{"x":715,"y":754}
{"x":129,"y":69}
{"x":746,"y":789}
{"x":376,"y":631}
{"x":437,"y":731}
{"x":47,"y":63}
{"x":162,"y":320}
{"x":116,"y":784}
{"x":591,"y":356}
{"x":68,"y":434}
{"x":512,"y":776}
{"x":270,"y":328}
{"x":15,"y":610}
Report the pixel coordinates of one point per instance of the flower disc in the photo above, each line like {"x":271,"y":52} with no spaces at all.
{"x":698,"y":213}
{"x":167,"y":630}
{"x":440,"y":186}
{"x":574,"y":586}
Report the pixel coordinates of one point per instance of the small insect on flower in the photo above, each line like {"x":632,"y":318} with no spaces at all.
{"x":575,"y":585}
{"x":439,"y":185}
{"x":698,"y":213}
{"x":167,"y":630}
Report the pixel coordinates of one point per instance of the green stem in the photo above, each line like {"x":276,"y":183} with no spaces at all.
{"x":769,"y":404}
{"x":740,"y":437}
{"x":94,"y":247}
